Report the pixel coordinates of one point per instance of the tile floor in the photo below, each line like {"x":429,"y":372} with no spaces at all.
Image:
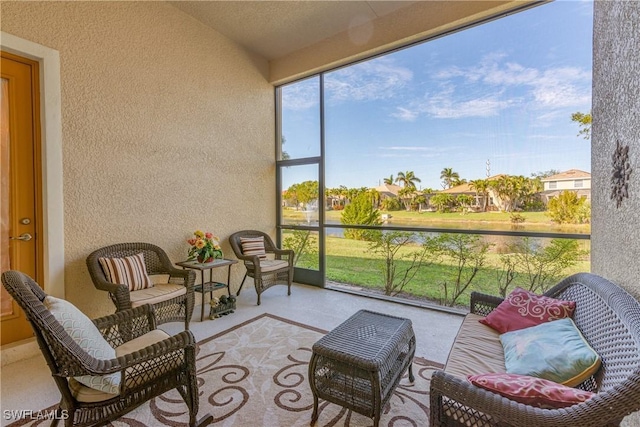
{"x":27,"y":384}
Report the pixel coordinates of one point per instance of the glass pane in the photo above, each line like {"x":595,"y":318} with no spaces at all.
{"x":463,"y":130}
{"x":300,"y":195}
{"x":305,"y":246}
{"x":444,"y":268}
{"x":301,"y":119}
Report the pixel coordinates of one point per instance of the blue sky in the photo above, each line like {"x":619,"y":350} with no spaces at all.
{"x":502,"y":91}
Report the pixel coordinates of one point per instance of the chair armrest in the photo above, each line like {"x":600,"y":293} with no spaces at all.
{"x":188,"y":277}
{"x":113,"y":288}
{"x":181,"y":341}
{"x":246,"y":258}
{"x":123,"y":326}
{"x":483,"y":304}
{"x":119,"y":293}
{"x":284,"y":252}
{"x":504,"y":411}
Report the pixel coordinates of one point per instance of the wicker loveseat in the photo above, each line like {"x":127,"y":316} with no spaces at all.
{"x":609,"y":319}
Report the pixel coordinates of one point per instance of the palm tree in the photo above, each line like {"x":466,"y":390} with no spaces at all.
{"x":389,"y":180}
{"x":510,"y":191}
{"x":407,"y":179}
{"x":406,"y":195}
{"x":448,"y":177}
{"x":481,"y":187}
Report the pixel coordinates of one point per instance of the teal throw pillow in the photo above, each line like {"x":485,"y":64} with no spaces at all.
{"x":555,"y":351}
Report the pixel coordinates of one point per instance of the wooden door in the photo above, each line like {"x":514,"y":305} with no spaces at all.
{"x":20,"y":219}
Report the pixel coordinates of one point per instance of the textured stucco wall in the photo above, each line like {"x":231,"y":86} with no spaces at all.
{"x":615,"y":237}
{"x":167,"y":128}
{"x":615,"y":232}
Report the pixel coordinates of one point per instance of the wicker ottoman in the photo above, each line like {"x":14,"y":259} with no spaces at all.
{"x":359,"y":363}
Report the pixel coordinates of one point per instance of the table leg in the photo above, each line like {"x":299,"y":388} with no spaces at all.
{"x":203,"y":293}
{"x":229,"y":279}
{"x":312,"y":383}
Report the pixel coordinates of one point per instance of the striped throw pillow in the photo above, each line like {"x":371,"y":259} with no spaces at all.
{"x":252,"y":246}
{"x":129,"y":271}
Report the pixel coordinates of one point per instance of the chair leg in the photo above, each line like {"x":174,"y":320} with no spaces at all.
{"x":241,"y":284}
{"x":258,"y":285}
{"x":204,"y":421}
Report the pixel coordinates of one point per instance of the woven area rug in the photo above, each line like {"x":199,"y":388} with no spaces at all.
{"x":255,"y":374}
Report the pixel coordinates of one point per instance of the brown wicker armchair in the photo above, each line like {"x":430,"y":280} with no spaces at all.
{"x":150,"y":365}
{"x":172,"y":304}
{"x":277,"y":269}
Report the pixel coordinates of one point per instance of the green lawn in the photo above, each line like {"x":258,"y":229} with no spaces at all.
{"x":534,"y":221}
{"x":352,"y":262}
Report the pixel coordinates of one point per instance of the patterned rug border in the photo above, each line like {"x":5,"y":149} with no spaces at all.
{"x":295,"y":323}
{"x":421,"y":360}
{"x":255,"y":319}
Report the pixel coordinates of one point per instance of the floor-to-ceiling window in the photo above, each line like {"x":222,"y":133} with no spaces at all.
{"x":459,"y":163}
{"x":299,"y":174}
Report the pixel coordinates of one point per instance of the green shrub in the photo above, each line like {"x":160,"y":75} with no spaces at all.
{"x":391,"y":204}
{"x":302,"y":242}
{"x":567,"y":208}
{"x":360,"y":212}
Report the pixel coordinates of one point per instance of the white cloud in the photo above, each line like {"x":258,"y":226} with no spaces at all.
{"x":496,"y":84}
{"x":412,"y":151}
{"x":376,"y":79}
{"x":555,"y":87}
{"x":444,"y":106}
{"x":562,"y":87}
{"x":405,"y":114}
{"x":412,"y":148}
{"x":301,"y":95}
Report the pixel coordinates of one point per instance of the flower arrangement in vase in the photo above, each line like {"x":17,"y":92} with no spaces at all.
{"x":205,"y":247}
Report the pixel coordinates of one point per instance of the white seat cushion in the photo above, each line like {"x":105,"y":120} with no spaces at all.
{"x":156,"y":294}
{"x":83,"y":393}
{"x":267,"y":265}
{"x":476,"y":350}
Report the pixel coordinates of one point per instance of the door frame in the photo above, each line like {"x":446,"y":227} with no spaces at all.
{"x":51,"y":154}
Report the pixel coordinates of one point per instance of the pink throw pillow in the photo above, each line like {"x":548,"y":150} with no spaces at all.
{"x":523,"y":309}
{"x":531,"y":390}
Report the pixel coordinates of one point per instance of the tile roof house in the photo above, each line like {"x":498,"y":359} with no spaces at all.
{"x":574,"y":180}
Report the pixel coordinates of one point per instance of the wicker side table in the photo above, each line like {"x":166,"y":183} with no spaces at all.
{"x":359,"y":363}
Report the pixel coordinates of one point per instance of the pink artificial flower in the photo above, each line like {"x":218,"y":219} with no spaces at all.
{"x":208,"y":235}
{"x":191,"y":241}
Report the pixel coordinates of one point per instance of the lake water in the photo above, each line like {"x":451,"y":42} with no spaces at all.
{"x":500,"y":244}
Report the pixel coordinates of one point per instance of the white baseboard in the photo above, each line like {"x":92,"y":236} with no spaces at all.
{"x":17,"y":351}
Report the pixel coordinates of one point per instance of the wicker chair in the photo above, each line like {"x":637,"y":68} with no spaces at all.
{"x":171,"y":308}
{"x":165,"y":363}
{"x":265,"y":273}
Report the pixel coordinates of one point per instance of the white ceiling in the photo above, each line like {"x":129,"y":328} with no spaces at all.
{"x":274,"y":29}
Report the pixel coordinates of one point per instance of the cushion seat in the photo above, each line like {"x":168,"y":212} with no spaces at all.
{"x":156,"y":294}
{"x":476,"y":350}
{"x":86,"y":394}
{"x":267,"y":265}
